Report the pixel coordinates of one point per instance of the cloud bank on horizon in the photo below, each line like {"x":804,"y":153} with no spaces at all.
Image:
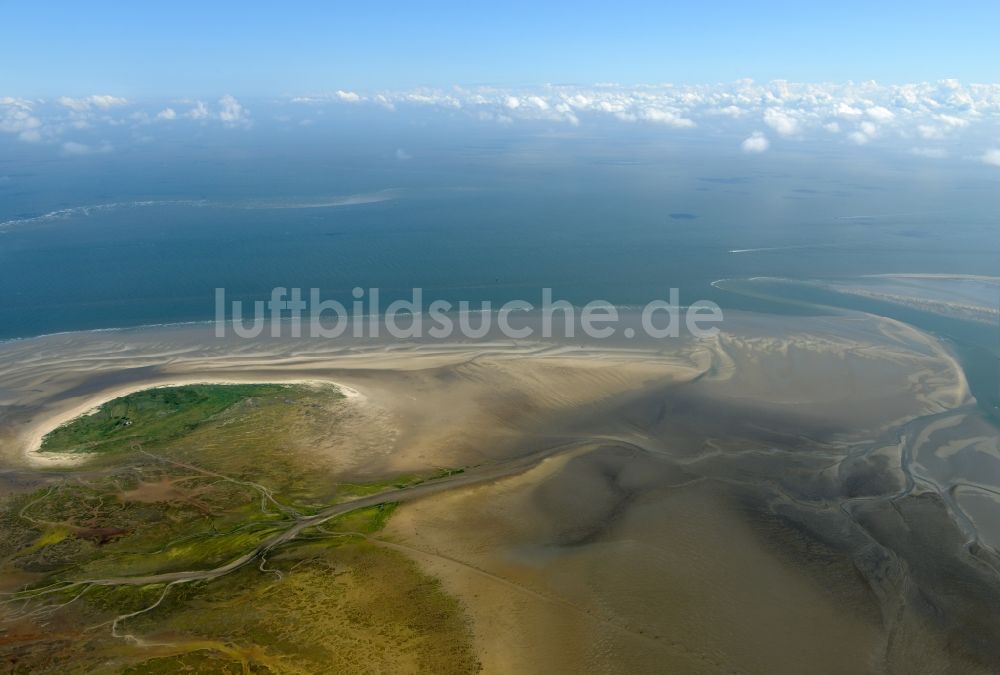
{"x":929,"y":117}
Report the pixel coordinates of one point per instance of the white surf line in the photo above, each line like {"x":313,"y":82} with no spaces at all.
{"x":109,"y":329}
{"x":386,"y":195}
{"x":717,"y":282}
{"x":777,"y":248}
{"x":886,"y":215}
{"x":86,"y":210}
{"x":933,"y":276}
{"x":89,"y":209}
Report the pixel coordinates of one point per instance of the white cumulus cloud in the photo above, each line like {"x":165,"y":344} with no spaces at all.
{"x":846,"y":111}
{"x":232,"y":113}
{"x":198,"y":112}
{"x":666,"y":117}
{"x":756,"y":143}
{"x":926,"y":119}
{"x":881,"y":114}
{"x":538,"y":102}
{"x":102,"y":101}
{"x":17,"y":118}
{"x":781,"y":122}
{"x":991,"y":157}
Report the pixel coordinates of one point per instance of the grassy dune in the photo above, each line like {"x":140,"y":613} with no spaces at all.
{"x":189,"y":478}
{"x":152,"y":417}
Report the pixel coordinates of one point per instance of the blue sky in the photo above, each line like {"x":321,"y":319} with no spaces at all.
{"x":252,"y":49}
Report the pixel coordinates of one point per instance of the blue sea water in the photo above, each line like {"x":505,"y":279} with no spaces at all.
{"x":465,"y":212}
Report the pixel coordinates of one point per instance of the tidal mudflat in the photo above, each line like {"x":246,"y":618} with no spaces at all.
{"x":797,"y":491}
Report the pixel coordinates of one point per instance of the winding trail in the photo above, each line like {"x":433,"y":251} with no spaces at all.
{"x":484,"y":474}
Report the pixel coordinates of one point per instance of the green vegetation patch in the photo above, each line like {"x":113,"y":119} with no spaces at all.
{"x":340,"y":608}
{"x":223,"y":468}
{"x":152,"y":417}
{"x":324,"y":603}
{"x":352,"y":490}
{"x":364,"y":521}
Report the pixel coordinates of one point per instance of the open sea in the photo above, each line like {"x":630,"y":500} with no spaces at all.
{"x":146,"y":234}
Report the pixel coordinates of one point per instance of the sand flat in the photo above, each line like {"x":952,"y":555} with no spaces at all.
{"x":720,"y":505}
